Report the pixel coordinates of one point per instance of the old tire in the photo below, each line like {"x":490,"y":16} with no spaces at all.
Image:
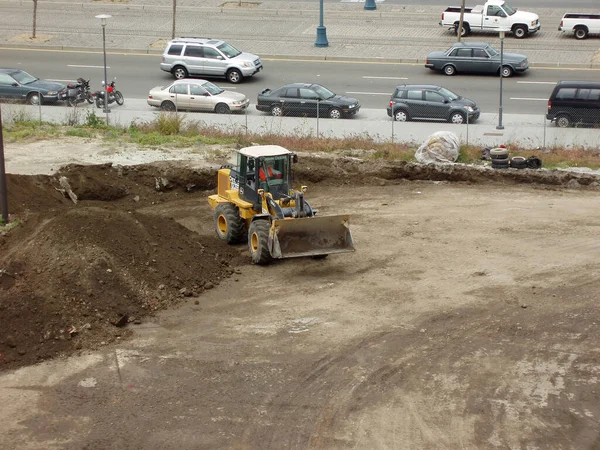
{"x":581,"y":33}
{"x":518,"y":162}
{"x":520,"y":31}
{"x":499,"y":153}
{"x":234,"y":76}
{"x":229,"y":225}
{"x":258,"y":242}
{"x":222,"y":108}
{"x":179,"y":72}
{"x":167,"y":106}
{"x":563,"y":121}
{"x":496,"y":165}
{"x":449,"y":70}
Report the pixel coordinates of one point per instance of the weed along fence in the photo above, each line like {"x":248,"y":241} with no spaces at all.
{"x":529,"y":131}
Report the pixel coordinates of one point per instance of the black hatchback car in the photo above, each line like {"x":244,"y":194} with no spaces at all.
{"x":574,"y":102}
{"x":305,"y":99}
{"x":430,"y":102}
{"x":18,"y":85}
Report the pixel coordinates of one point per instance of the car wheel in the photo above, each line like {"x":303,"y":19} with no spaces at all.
{"x":465,"y":30}
{"x":401,"y":116}
{"x":449,"y":70}
{"x":581,"y":33}
{"x":520,"y":32}
{"x":234,"y":76}
{"x":276,"y":111}
{"x":34,"y":98}
{"x":563,"y":121}
{"x":335,"y":113}
{"x":180,"y":72}
{"x":507,"y":71}
{"x":222,"y":108}
{"x":167,"y":106}
{"x":458,"y":117}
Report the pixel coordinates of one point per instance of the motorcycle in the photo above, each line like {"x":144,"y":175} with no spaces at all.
{"x":77,"y":93}
{"x":113,"y":95}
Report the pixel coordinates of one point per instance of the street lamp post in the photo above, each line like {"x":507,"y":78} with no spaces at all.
{"x":103,"y":18}
{"x":370,"y":5}
{"x":502,"y":32}
{"x":321,"y":30}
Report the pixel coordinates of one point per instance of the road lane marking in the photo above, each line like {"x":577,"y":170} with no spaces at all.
{"x":537,"y":82}
{"x":370,"y":93}
{"x":87,"y":67}
{"x":387,"y":78}
{"x":527,"y":98}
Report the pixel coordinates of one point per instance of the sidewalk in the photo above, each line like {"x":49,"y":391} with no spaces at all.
{"x":276,"y":29}
{"x":526,"y":131}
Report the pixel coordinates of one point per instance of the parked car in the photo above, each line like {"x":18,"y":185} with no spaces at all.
{"x":476,"y":57}
{"x":493,"y":15}
{"x":580,"y":24}
{"x":574,"y":102}
{"x":210,"y":58}
{"x":308,"y":100}
{"x":429,"y":102}
{"x":198,"y":95}
{"x":18,"y":85}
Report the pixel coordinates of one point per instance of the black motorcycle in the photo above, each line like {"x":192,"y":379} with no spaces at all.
{"x":113,"y":95}
{"x":77,"y":93}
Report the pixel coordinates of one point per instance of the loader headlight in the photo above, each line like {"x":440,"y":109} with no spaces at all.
{"x":304,"y":188}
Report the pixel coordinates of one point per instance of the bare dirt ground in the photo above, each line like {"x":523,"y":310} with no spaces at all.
{"x":467,"y":317}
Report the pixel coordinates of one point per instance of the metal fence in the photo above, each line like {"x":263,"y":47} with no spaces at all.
{"x":322,"y":120}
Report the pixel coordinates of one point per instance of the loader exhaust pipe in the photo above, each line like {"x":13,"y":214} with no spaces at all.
{"x":310,"y":236}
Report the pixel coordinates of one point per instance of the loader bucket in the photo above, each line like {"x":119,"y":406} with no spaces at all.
{"x":311,"y":236}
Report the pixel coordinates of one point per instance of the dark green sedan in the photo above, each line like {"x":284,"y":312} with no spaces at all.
{"x":17,"y":85}
{"x":476,"y":57}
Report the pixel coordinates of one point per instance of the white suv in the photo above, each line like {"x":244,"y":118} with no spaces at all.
{"x":208,"y":57}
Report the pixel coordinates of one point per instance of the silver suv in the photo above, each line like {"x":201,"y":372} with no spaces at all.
{"x":208,"y":57}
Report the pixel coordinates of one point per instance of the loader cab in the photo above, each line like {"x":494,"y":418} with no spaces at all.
{"x":266,"y":167}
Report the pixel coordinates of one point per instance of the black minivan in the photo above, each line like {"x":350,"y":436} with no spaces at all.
{"x":575,"y":102}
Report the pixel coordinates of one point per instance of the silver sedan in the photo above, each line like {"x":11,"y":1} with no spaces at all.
{"x":194,"y":94}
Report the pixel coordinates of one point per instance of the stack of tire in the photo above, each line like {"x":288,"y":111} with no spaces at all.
{"x":499,"y":157}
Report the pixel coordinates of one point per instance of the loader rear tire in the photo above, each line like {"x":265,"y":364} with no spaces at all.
{"x":229,"y":225}
{"x":258,"y":242}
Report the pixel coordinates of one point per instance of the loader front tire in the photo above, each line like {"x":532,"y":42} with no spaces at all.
{"x":229,"y":225}
{"x":258,"y":242}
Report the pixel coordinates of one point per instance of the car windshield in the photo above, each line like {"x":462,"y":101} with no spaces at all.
{"x":323,"y":92}
{"x":492,"y":51}
{"x":509,"y":9}
{"x":229,"y":50}
{"x":23,"y":77}
{"x":448,"y":94}
{"x":213,"y":89}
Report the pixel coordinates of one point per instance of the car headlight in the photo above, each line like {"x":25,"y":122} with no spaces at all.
{"x":533,"y":23}
{"x":51,"y":92}
{"x":468,"y":108}
{"x":238,"y":102}
{"x":247,"y":64}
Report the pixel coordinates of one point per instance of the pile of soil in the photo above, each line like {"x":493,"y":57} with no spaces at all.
{"x":73,"y":276}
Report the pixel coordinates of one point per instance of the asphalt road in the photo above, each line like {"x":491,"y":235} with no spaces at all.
{"x":372,"y":83}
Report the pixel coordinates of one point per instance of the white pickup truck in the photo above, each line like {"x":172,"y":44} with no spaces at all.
{"x":580,"y":24}
{"x":493,"y":16}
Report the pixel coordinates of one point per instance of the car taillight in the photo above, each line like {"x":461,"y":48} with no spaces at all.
{"x":391,"y":103}
{"x":426,"y":61}
{"x":149,"y":96}
{"x":442,"y":16}
{"x":549,"y":105}
{"x":561,"y":23}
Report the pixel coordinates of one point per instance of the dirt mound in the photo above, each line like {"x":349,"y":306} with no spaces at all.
{"x":73,"y":275}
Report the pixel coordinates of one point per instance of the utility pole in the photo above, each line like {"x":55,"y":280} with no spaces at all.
{"x":34,"y":17}
{"x":462,"y":16}
{"x":3,"y":192}
{"x":174,"y":14}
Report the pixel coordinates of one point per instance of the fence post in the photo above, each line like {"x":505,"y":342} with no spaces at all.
{"x":393,"y":125}
{"x":467,"y":130}
{"x":544,"y":142}
{"x":40,"y":105}
{"x":318,"y":114}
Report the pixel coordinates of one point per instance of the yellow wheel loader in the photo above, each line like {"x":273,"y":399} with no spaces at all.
{"x":255,"y":202}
